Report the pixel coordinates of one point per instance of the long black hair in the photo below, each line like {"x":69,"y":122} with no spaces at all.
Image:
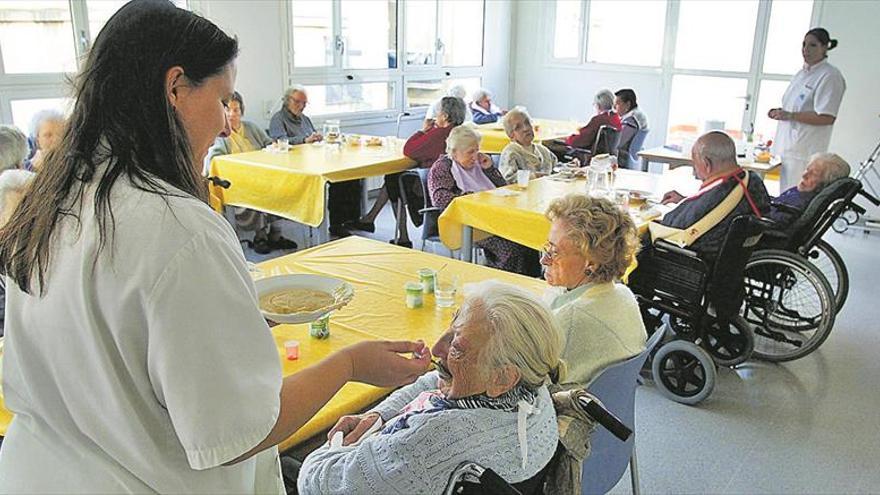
{"x":122,"y":117}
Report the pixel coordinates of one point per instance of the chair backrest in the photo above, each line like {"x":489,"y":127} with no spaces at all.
{"x":635,"y":146}
{"x":606,"y":140}
{"x":615,"y":387}
{"x":417,"y":180}
{"x":821,"y":212}
{"x":726,"y":281}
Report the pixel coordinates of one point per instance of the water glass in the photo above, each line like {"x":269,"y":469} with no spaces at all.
{"x":445,"y":287}
{"x":522,"y":178}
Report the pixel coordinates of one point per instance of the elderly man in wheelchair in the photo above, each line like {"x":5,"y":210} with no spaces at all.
{"x":487,"y":402}
{"x":690,"y":271}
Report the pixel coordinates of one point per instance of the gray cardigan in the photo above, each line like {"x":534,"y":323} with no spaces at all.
{"x":420,"y":458}
{"x":295,"y":129}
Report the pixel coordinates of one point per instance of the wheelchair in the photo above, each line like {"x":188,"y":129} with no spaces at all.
{"x":795,"y":282}
{"x":470,"y":478}
{"x":700,"y":299}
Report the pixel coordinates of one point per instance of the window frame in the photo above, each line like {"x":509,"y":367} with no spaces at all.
{"x":399,"y":76}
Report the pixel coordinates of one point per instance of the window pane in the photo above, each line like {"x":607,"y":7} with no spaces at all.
{"x":461,"y":32}
{"x":24,"y":110}
{"x":770,"y":96}
{"x":421,"y":32}
{"x":100,"y":12}
{"x":789,"y":21}
{"x":609,"y":42}
{"x":346,"y":98}
{"x":369,"y":28}
{"x":716,"y":35}
{"x":36,"y":36}
{"x":566,"y":34}
{"x":313,"y":43}
{"x":425,"y":92}
{"x":699,"y":102}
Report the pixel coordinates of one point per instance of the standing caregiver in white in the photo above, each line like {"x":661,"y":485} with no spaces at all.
{"x":809,"y":108}
{"x":136,"y":359}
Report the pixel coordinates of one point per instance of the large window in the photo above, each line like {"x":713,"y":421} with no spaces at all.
{"x":722,"y":63}
{"x":354,"y":58}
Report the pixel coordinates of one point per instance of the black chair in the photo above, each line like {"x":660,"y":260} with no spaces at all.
{"x":701,"y":298}
{"x":417,"y":201}
{"x":607,"y":138}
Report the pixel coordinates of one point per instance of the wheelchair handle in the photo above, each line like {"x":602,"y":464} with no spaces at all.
{"x":492,"y":483}
{"x":605,"y":418}
{"x":217,"y":181}
{"x":869,"y":197}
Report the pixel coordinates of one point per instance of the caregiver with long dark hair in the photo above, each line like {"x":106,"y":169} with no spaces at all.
{"x":809,"y":108}
{"x":136,"y":359}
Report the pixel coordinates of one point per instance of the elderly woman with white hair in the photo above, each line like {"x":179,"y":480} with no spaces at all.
{"x":487,"y":402}
{"x":591,"y":244}
{"x":603,"y":103}
{"x":463,"y":170}
{"x":46,"y":129}
{"x":290,"y":122}
{"x":523,"y":153}
{"x":484,"y":111}
{"x":824,"y":168}
{"x":13,"y":149}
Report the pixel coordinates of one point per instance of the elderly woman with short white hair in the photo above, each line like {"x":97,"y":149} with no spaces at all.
{"x":603,"y":104}
{"x":523,"y":153}
{"x":487,"y":402}
{"x":463,"y":170}
{"x":824,"y":168}
{"x":482,"y":108}
{"x":46,"y":129}
{"x":591,"y":244}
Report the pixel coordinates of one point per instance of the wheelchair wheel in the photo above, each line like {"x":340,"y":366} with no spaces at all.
{"x":729,"y":343}
{"x":829,"y":262}
{"x":789,"y":304}
{"x":683,"y":372}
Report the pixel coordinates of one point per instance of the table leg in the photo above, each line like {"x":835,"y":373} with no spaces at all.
{"x":467,"y":242}
{"x":645,"y":164}
{"x":321,"y":233}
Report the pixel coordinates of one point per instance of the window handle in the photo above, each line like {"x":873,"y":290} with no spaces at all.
{"x":440,"y":45}
{"x":340,"y":44}
{"x":83,"y":41}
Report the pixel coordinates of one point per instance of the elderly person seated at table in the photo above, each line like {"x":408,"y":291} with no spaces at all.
{"x":603,"y":104}
{"x":13,"y":182}
{"x":486,"y":403}
{"x":824,"y":168}
{"x":632,"y":121}
{"x":344,"y":201}
{"x":465,"y":170}
{"x":47,"y":127}
{"x":425,"y":146}
{"x":714,"y":157}
{"x":523,"y":153}
{"x":456,"y":91}
{"x":592,"y":243}
{"x":484,"y":111}
{"x":246,"y":136}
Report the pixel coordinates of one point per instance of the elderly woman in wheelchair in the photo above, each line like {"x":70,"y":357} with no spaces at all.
{"x":487,"y":402}
{"x":591,"y":245}
{"x":823,"y":169}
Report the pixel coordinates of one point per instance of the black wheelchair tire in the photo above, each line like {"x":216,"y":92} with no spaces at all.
{"x":742,"y":349}
{"x":677,"y":358}
{"x":839,"y":282}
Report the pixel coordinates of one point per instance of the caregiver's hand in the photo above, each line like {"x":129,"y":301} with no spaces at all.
{"x":380,"y":363}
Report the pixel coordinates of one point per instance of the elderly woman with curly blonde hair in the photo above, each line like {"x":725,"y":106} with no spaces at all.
{"x":591,"y":244}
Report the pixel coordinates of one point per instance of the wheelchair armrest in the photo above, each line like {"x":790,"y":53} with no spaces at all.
{"x":786,"y":208}
{"x":430,"y":209}
{"x":666,"y":246}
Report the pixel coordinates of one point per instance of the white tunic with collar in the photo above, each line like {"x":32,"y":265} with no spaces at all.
{"x":144,"y":369}
{"x":818,"y":88}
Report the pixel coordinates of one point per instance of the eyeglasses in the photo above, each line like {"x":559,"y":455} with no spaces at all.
{"x":549,"y":252}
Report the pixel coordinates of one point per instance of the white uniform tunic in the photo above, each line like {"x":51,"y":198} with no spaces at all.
{"x":144,"y":370}
{"x":817,"y":89}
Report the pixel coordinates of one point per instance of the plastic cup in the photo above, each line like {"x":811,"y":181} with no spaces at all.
{"x":291,"y":349}
{"x":426,"y":277}
{"x":414,"y":298}
{"x":445,"y":287}
{"x":523,"y":177}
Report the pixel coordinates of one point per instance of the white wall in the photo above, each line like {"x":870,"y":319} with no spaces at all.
{"x":855,"y":24}
{"x":261,"y":25}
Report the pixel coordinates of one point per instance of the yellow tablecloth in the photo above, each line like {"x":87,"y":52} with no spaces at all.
{"x":291,"y":185}
{"x":494,"y":139}
{"x":378,"y":271}
{"x":520,"y":217}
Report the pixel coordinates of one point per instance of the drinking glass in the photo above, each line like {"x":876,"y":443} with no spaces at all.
{"x":445,"y":287}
